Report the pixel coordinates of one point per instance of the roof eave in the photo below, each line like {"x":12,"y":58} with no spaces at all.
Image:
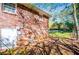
{"x":41,"y":12}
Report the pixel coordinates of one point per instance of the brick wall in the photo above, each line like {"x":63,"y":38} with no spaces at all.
{"x":32,"y":26}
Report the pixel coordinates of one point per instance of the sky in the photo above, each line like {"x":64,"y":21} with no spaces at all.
{"x":55,"y":9}
{"x":52,"y":7}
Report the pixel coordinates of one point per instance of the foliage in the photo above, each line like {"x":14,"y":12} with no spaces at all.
{"x":77,"y":10}
{"x":61,"y":34}
{"x":46,"y":45}
{"x":53,"y":47}
{"x":70,"y":25}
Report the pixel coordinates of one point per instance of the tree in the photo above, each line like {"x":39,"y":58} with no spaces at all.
{"x":75,"y":19}
{"x":69,"y":25}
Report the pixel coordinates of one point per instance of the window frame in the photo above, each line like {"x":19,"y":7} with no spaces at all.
{"x":8,"y":11}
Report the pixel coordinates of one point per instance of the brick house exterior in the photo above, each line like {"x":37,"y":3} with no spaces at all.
{"x":29,"y":24}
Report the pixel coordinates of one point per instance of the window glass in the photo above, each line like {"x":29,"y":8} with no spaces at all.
{"x":9,"y":7}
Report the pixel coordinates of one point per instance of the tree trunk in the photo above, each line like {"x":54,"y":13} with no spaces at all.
{"x":75,"y":20}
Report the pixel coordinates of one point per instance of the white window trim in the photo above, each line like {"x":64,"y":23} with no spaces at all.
{"x":7,"y":11}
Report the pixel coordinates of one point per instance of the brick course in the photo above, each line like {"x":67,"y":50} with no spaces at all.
{"x":33,"y":27}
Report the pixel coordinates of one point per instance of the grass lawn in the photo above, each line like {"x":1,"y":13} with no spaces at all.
{"x":61,"y":35}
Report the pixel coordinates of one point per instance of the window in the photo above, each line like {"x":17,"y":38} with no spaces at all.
{"x":8,"y":38}
{"x":9,"y":7}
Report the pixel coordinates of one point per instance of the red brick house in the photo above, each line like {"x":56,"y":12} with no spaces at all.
{"x":22,"y":23}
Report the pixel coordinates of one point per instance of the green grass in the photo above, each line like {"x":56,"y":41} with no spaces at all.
{"x":61,"y":35}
